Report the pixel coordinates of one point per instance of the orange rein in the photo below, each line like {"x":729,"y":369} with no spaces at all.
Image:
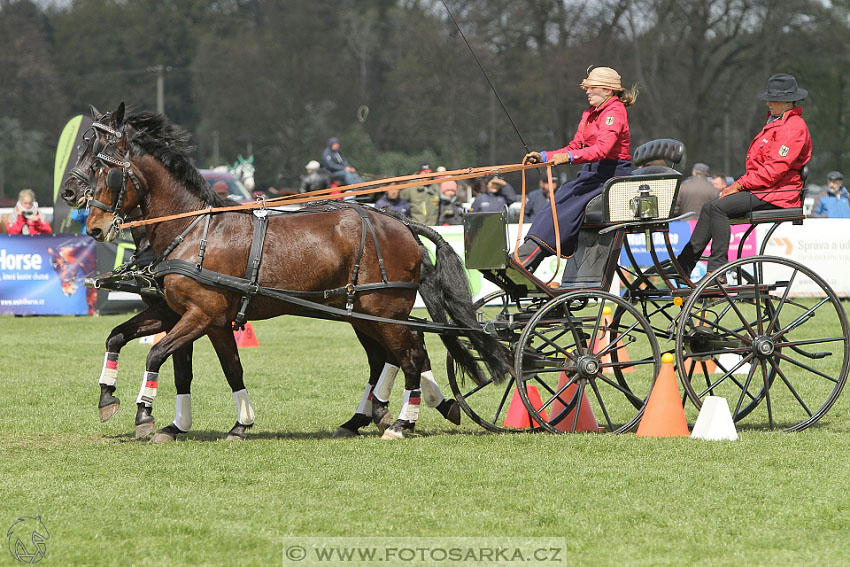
{"x":554,"y":220}
{"x":365,"y":188}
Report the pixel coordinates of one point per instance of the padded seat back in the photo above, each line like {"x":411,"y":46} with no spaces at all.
{"x":665,"y":148}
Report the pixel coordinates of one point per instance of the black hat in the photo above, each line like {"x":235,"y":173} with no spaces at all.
{"x":834,"y":175}
{"x":783,"y":88}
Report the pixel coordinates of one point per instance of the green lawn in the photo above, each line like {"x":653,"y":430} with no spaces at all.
{"x":768,"y":499}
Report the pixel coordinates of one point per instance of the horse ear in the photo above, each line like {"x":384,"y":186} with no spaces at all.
{"x":251,"y":158}
{"x":239,"y":158}
{"x":95,"y":113}
{"x":119,"y":115}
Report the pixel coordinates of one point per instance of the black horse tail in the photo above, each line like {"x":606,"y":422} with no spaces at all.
{"x":445,"y":290}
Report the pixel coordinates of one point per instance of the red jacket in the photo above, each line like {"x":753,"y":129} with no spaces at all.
{"x":775,"y":158}
{"x":603,"y":133}
{"x":16,"y":225}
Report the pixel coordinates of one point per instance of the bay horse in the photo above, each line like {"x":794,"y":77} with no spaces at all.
{"x":159,"y":317}
{"x":308,"y":252}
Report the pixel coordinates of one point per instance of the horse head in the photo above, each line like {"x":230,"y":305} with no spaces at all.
{"x":112,"y":197}
{"x":244,"y":170}
{"x":77,"y":186}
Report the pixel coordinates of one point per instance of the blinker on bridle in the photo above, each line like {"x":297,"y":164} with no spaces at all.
{"x":116,"y":179}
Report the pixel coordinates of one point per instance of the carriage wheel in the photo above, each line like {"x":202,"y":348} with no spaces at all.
{"x":565,"y":363}
{"x":778,"y":337}
{"x":488,"y":404}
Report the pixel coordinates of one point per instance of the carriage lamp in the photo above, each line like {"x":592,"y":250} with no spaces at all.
{"x":645,"y":204}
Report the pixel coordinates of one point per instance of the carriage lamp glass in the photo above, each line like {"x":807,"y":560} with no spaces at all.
{"x":645,"y":204}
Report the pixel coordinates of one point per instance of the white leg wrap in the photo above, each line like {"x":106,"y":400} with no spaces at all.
{"x":109,"y":374}
{"x":244,"y":409}
{"x":147,"y":393}
{"x":410,"y":406}
{"x":365,"y":405}
{"x":385,"y":383}
{"x":430,"y":390}
{"x":183,"y":415}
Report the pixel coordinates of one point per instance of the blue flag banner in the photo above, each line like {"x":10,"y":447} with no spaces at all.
{"x":44,"y":274}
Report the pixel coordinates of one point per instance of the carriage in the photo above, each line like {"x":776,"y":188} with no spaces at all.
{"x":763,"y":332}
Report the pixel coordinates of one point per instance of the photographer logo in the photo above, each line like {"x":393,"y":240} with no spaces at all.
{"x":26,"y":539}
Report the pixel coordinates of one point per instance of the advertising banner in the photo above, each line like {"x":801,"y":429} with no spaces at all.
{"x":43,"y":275}
{"x":66,"y":158}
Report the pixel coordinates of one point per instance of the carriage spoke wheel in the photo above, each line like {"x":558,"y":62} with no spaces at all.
{"x":774,"y":337}
{"x":567,"y":362}
{"x":488,"y":404}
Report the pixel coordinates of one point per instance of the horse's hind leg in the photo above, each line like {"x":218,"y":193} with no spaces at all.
{"x":228,"y":355}
{"x":182,"y":360}
{"x":366,"y":409}
{"x":409,"y":350}
{"x":154,"y":319}
{"x":433,"y":396}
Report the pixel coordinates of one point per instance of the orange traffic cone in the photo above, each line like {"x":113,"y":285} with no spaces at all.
{"x":586,"y":419}
{"x":603,"y":341}
{"x":245,"y":337}
{"x":664,"y":415}
{"x":517,"y":416}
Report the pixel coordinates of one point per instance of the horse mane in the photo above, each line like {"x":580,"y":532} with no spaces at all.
{"x":169,"y":144}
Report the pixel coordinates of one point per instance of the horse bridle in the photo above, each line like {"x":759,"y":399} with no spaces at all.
{"x":116,"y":179}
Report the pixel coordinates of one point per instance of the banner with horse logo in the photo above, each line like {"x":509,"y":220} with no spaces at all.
{"x":43,"y":275}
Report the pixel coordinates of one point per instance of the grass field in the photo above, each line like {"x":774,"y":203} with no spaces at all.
{"x":768,"y":499}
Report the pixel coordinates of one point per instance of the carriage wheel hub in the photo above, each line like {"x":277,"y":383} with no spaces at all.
{"x":763,"y":347}
{"x":588,"y":366}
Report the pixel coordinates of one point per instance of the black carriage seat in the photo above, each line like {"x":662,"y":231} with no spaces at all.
{"x":665,"y":149}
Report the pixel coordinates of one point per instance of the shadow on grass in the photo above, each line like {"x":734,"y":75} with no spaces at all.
{"x":209,"y":435}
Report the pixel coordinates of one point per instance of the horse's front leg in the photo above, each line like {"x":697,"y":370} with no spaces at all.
{"x":183,"y":334}
{"x":156,"y":318}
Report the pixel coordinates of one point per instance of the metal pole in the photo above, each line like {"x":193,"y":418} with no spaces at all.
{"x":160,"y":89}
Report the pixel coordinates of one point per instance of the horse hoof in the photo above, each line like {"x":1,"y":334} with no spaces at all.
{"x":145,"y":429}
{"x":382,"y":417}
{"x":392,"y":432}
{"x":343,"y":433}
{"x":397,"y":429}
{"x":239,"y":432}
{"x":108,"y":411}
{"x":450,"y":409}
{"x":108,"y":404}
{"x":166,"y":434}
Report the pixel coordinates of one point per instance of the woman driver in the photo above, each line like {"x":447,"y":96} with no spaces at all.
{"x":602,"y":143}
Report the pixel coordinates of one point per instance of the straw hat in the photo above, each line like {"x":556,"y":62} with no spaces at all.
{"x":605,"y":77}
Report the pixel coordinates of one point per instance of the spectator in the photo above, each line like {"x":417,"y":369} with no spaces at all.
{"x":508,"y":192}
{"x":26,"y":219}
{"x":220,"y":188}
{"x":538,"y":200}
{"x":775,"y":158}
{"x":718,"y":181}
{"x":450,"y":207}
{"x":391,"y":201}
{"x":836,"y":203}
{"x":316,"y":179}
{"x":424,"y":199}
{"x":491,"y":200}
{"x":694,"y":192}
{"x":337,"y":165}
